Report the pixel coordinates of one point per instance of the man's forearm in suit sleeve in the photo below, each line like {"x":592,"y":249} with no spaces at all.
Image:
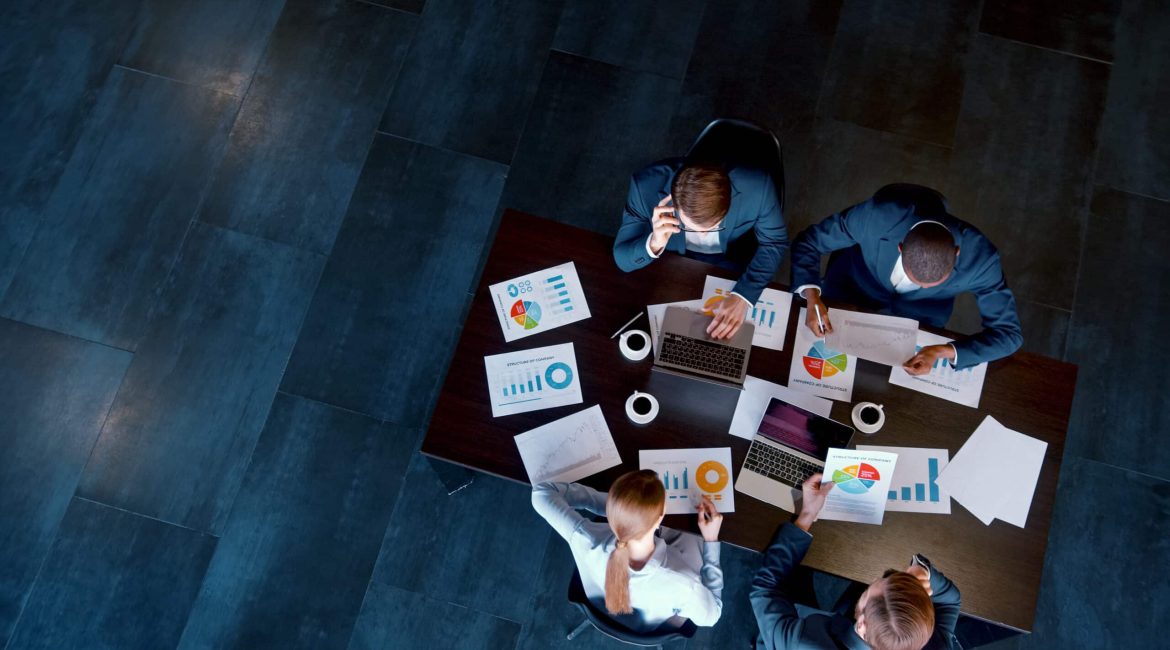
{"x":946,"y":598}
{"x":629,"y":247}
{"x":1001,"y":335}
{"x":775,"y":613}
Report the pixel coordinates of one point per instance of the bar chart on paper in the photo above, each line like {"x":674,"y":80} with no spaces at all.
{"x":690,"y":474}
{"x":959,"y":386}
{"x":915,"y":485}
{"x":534,"y":379}
{"x":769,"y":314}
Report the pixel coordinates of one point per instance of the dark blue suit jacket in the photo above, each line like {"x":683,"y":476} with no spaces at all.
{"x":782,"y":627}
{"x":866,"y":237}
{"x":753,"y":209}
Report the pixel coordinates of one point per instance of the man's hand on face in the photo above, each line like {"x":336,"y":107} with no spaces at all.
{"x":921,"y":363}
{"x":815,"y":492}
{"x":729,"y":317}
{"x":665,"y":224}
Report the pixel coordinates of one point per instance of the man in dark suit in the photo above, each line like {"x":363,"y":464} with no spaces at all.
{"x":902,"y":610}
{"x":901,"y":253}
{"x":728,"y":217}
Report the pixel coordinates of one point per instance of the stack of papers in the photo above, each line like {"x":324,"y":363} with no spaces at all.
{"x":994,"y":474}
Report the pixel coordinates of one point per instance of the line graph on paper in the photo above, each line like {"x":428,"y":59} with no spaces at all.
{"x":568,"y":449}
{"x":883,"y":339}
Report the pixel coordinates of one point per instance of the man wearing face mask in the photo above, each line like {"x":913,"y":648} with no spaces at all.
{"x":903,"y":610}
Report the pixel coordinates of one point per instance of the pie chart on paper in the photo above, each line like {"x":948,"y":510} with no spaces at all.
{"x":856,"y":479}
{"x":821,"y":362}
{"x":526,"y":313}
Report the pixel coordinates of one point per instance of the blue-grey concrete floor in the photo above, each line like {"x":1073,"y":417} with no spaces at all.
{"x":237,"y":240}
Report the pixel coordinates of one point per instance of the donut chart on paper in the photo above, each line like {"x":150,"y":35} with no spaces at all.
{"x":558,"y":375}
{"x":711,"y":476}
{"x":526,"y":313}
{"x":856,"y":479}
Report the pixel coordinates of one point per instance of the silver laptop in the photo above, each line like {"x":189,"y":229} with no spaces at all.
{"x":684,"y":348}
{"x":790,"y":445}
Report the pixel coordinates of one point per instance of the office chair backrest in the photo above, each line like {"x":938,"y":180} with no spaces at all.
{"x":738,"y":142}
{"x":600,"y":620}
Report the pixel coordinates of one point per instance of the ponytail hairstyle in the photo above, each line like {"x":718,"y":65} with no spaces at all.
{"x":635,"y":503}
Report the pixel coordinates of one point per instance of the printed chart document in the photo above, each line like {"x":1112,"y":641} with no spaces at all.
{"x":862,"y":479}
{"x":819,"y":369}
{"x":958,"y":386}
{"x":994,"y":474}
{"x":531,"y":380}
{"x":655,"y":314}
{"x":539,"y":301}
{"x":688,"y":474}
{"x":769,"y":314}
{"x":753,"y":401}
{"x":568,"y":449}
{"x":914,"y":487}
{"x":888,"y":340}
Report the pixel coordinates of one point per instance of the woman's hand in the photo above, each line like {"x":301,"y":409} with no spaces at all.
{"x":710,"y":519}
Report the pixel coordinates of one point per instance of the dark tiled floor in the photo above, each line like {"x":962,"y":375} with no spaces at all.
{"x":219,"y":208}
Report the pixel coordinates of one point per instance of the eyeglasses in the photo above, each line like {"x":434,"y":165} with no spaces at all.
{"x":683,"y":227}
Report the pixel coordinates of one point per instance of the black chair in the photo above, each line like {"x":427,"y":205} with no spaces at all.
{"x":600,"y":620}
{"x":739,"y":142}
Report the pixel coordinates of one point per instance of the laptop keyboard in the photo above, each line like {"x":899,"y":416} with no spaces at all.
{"x":715,"y":358}
{"x":779,"y":465}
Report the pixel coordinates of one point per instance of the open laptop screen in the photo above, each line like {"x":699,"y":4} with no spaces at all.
{"x":803,"y":430}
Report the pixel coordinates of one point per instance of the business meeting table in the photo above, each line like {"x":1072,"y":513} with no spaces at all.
{"x":997,"y":567}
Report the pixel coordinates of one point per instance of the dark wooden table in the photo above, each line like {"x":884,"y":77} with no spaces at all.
{"x":997,"y":567}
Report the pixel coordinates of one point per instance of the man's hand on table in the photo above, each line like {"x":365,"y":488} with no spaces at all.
{"x":815,"y":492}
{"x":729,"y":317}
{"x":921,"y":363}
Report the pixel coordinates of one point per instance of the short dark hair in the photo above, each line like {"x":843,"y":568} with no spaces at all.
{"x":928,"y":252}
{"x":901,"y":617}
{"x":702,"y":191}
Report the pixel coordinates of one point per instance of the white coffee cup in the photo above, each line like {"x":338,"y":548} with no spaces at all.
{"x":641,"y":415}
{"x":866,"y":427}
{"x":640,"y":347}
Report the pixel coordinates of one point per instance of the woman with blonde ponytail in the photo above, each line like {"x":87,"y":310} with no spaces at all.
{"x":645,"y":576}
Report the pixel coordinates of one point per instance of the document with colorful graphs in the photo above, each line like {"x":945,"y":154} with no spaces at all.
{"x":539,"y":301}
{"x":959,"y":386}
{"x":861,"y":481}
{"x":819,"y":369}
{"x":690,"y":474}
{"x":769,"y":314}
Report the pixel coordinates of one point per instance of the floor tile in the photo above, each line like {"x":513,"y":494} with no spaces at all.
{"x":55,"y":392}
{"x":413,"y":234}
{"x":112,"y":229}
{"x":427,"y":547}
{"x":592,"y":125}
{"x":113,"y":580}
{"x":1102,"y":510}
{"x":1023,"y":154}
{"x":1135,"y":135}
{"x":1120,"y":413}
{"x":897,"y":66}
{"x":1045,"y":327}
{"x":471,"y":74}
{"x":737,"y":624}
{"x":396,"y":619}
{"x":1080,"y":27}
{"x":196,"y":395}
{"x":643,"y":35}
{"x":762,"y":61}
{"x":54,"y":57}
{"x":411,"y":6}
{"x":849,"y":163}
{"x":305,"y":128}
{"x":300,"y":545}
{"x":214,"y":44}
{"x":553,"y":616}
